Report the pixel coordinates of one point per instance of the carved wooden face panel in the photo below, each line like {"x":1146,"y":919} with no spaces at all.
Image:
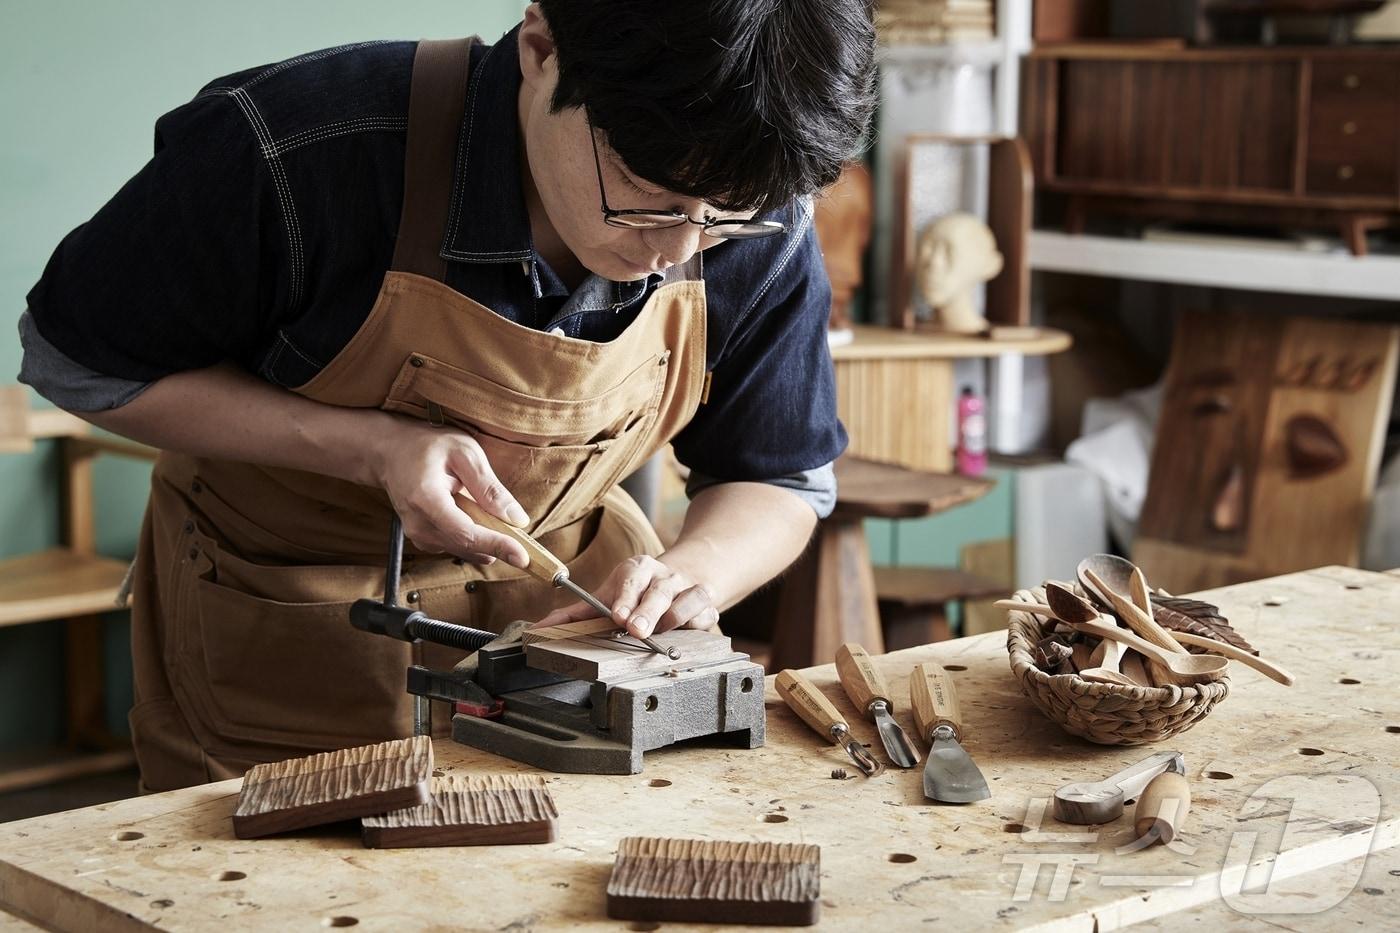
{"x":1267,"y":447}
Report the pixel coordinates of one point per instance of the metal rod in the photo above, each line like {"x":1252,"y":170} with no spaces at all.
{"x":391,"y":572}
{"x":673,"y":652}
{"x":422,"y":715}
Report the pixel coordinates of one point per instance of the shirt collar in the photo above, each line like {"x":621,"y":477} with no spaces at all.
{"x":486,"y":175}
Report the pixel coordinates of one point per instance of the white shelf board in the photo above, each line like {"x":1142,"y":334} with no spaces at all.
{"x":982,"y":53}
{"x":1344,"y":276}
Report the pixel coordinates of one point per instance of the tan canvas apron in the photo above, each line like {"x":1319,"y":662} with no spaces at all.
{"x":242,"y":647}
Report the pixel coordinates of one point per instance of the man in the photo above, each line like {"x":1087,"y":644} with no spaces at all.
{"x":374,"y":278}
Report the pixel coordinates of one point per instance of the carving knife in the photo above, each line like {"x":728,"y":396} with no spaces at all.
{"x":545,"y":566}
{"x":816,"y":710}
{"x":950,"y":775}
{"x":868,"y":691}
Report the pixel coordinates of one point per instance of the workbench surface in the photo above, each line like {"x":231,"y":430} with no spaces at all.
{"x":1326,"y":749}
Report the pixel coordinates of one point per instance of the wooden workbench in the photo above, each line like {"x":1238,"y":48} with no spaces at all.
{"x":890,"y":859}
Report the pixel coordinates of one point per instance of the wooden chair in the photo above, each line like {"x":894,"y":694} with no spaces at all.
{"x":829,"y":596}
{"x":71,"y":582}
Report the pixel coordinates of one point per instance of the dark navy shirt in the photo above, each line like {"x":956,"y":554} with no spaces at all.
{"x":261,"y":229}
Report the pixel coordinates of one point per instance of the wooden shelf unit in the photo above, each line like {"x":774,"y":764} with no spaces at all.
{"x":71,"y":582}
{"x":1302,"y":136}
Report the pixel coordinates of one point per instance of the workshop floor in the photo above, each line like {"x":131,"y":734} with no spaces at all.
{"x":68,"y":795}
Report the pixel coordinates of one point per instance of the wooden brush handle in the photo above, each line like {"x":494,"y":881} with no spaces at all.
{"x":810,"y":704}
{"x":862,"y":682}
{"x":934,"y":699}
{"x":1162,"y":806}
{"x":543,"y":565}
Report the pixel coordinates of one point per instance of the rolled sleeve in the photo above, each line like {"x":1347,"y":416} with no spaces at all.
{"x":65,"y":382}
{"x":815,"y":487}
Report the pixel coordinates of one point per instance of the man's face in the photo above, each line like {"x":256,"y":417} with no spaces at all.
{"x":560,"y":158}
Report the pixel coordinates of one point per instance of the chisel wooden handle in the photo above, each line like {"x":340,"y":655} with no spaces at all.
{"x":1162,"y":806}
{"x":543,"y":565}
{"x":862,"y":682}
{"x":934,"y":700}
{"x":811,"y":704}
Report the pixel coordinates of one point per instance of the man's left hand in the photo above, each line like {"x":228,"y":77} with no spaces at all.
{"x":646,"y":597}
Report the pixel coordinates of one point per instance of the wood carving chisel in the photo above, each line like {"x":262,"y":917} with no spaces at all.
{"x":545,"y":566}
{"x":950,"y":776}
{"x":868,"y":691}
{"x":812,"y":706}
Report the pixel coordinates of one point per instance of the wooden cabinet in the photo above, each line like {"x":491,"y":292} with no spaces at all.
{"x":1291,"y":136}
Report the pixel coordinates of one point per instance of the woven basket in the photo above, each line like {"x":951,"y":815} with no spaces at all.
{"x":1108,"y":714}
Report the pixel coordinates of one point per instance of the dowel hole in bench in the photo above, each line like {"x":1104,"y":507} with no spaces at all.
{"x":1354,"y":586}
{"x":230,"y":876}
{"x":1013,"y":828}
{"x":128,"y":835}
{"x":955,"y":667}
{"x":903,"y":858}
{"x":339,"y":921}
{"x":658,"y":782}
{"x":1219,"y":775}
{"x":1393,"y":730}
{"x":641,"y":927}
{"x":1310,"y":751}
{"x":1348,"y":680}
{"x":773,"y":818}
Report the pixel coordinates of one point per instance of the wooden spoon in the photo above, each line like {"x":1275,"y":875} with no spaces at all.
{"x":1102,"y":666}
{"x":1111,"y":569}
{"x":1135,"y":669}
{"x":1184,"y":669}
{"x":1069,"y":607}
{"x":1140,"y":622}
{"x":1267,"y":668}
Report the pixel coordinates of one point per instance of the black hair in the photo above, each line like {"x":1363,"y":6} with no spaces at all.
{"x":744,"y":104}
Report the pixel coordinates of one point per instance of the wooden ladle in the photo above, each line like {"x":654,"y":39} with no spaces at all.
{"x":1181,"y":668}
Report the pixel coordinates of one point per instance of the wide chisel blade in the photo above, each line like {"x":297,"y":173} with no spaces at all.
{"x":950,"y":775}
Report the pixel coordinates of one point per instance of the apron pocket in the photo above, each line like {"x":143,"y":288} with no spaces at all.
{"x":472,"y":400}
{"x":288,"y":671}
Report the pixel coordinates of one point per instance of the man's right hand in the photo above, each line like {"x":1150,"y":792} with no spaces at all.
{"x":421,"y":467}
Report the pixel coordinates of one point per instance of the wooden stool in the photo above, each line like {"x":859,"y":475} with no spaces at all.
{"x":914,"y":601}
{"x":828,"y":597}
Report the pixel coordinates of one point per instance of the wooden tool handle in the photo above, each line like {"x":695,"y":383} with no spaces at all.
{"x":862,"y":682}
{"x":543,"y":565}
{"x":810,"y":703}
{"x":934,"y":699}
{"x":1162,"y":806}
{"x":1140,"y":622}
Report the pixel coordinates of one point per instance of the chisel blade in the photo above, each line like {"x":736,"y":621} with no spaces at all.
{"x":950,"y":775}
{"x":895,"y":739}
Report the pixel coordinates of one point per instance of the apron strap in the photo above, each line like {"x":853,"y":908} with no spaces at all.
{"x":436,"y":103}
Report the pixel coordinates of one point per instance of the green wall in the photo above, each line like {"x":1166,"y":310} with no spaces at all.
{"x":81,"y":85}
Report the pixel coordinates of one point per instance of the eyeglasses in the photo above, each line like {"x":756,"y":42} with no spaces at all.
{"x":652,"y":219}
